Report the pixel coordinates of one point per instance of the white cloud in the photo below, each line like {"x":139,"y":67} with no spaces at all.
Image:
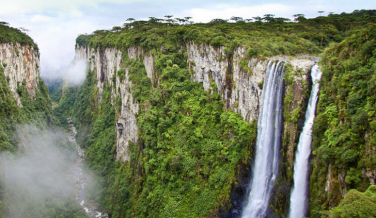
{"x":206,"y":15}
{"x":41,"y":18}
{"x":76,"y":72}
{"x":27,"y":6}
{"x":56,"y":42}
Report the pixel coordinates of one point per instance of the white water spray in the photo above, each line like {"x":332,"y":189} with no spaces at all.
{"x":298,"y":200}
{"x":268,"y":142}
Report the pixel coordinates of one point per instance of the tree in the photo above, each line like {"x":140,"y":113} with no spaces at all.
{"x":180,"y":20}
{"x":4,"y":23}
{"x":169,"y":20}
{"x":23,"y":29}
{"x":248,"y":20}
{"x":298,"y":17}
{"x":236,"y":19}
{"x":130,"y":20}
{"x":259,"y":19}
{"x":268,"y":17}
{"x":320,"y":12}
{"x":281,"y":19}
{"x":218,"y":21}
{"x":116,"y":29}
{"x":152,"y":19}
{"x":187,"y":18}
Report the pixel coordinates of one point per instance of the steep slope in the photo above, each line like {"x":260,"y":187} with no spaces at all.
{"x":23,"y":95}
{"x":344,"y":130}
{"x":168,"y":113}
{"x":34,"y":155}
{"x":137,"y":83}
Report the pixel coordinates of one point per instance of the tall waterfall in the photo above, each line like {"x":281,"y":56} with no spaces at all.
{"x":298,"y":200}
{"x":268,"y":142}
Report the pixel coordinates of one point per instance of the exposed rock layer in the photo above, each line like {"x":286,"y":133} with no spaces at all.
{"x":21,"y":67}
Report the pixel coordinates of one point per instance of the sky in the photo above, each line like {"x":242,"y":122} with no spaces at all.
{"x":55,"y":24}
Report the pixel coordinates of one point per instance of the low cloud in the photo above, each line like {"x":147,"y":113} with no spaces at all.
{"x":34,"y":181}
{"x":76,"y":72}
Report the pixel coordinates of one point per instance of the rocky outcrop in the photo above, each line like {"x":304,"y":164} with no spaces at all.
{"x":21,"y":67}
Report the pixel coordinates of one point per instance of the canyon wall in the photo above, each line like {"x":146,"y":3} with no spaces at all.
{"x":238,"y":79}
{"x":21,"y":68}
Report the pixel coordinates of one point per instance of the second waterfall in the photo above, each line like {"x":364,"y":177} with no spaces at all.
{"x":266,"y":164}
{"x":298,"y":201}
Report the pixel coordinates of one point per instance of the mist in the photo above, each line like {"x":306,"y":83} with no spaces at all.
{"x":35,"y":182}
{"x":76,"y":73}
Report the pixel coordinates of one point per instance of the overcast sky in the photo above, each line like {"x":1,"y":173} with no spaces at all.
{"x":55,"y":24}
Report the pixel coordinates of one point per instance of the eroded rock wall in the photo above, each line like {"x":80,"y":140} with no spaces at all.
{"x":21,"y":67}
{"x":237,"y":78}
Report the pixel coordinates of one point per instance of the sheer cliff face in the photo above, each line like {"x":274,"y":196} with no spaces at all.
{"x":106,"y":63}
{"x":239,"y":78}
{"x":240,"y":86}
{"x":21,"y":67}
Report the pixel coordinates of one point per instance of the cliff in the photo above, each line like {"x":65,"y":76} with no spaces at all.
{"x":183,"y":104}
{"x":21,"y":68}
{"x":24,"y":97}
{"x":240,"y":88}
{"x":237,"y":79}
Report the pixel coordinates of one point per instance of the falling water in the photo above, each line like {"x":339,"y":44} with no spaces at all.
{"x":268,"y":142}
{"x":298,"y":200}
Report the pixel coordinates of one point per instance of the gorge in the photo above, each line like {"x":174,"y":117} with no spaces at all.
{"x":209,"y":120}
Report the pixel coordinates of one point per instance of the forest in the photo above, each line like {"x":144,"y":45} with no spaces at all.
{"x":193,"y":151}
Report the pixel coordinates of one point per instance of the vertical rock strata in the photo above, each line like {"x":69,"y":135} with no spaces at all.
{"x":21,"y":68}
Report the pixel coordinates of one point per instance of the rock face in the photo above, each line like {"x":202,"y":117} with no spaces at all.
{"x":21,"y":67}
{"x":237,"y":78}
{"x":106,"y":63}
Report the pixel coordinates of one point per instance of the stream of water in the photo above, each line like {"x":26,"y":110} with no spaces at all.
{"x":269,"y":125}
{"x":79,"y":177}
{"x":299,"y":194}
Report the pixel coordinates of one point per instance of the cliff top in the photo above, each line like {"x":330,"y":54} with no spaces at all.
{"x":266,"y":36}
{"x":15,"y":35}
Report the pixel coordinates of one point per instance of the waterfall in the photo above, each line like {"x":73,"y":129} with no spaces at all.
{"x":298,"y":200}
{"x":268,"y":142}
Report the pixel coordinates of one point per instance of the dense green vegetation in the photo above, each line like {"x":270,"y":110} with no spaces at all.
{"x":14,"y":35}
{"x":55,"y":88}
{"x":345,"y":128}
{"x":16,"y":199}
{"x":190,"y":148}
{"x":37,"y":111}
{"x":38,"y":185}
{"x":270,"y":38}
{"x":357,"y":204}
